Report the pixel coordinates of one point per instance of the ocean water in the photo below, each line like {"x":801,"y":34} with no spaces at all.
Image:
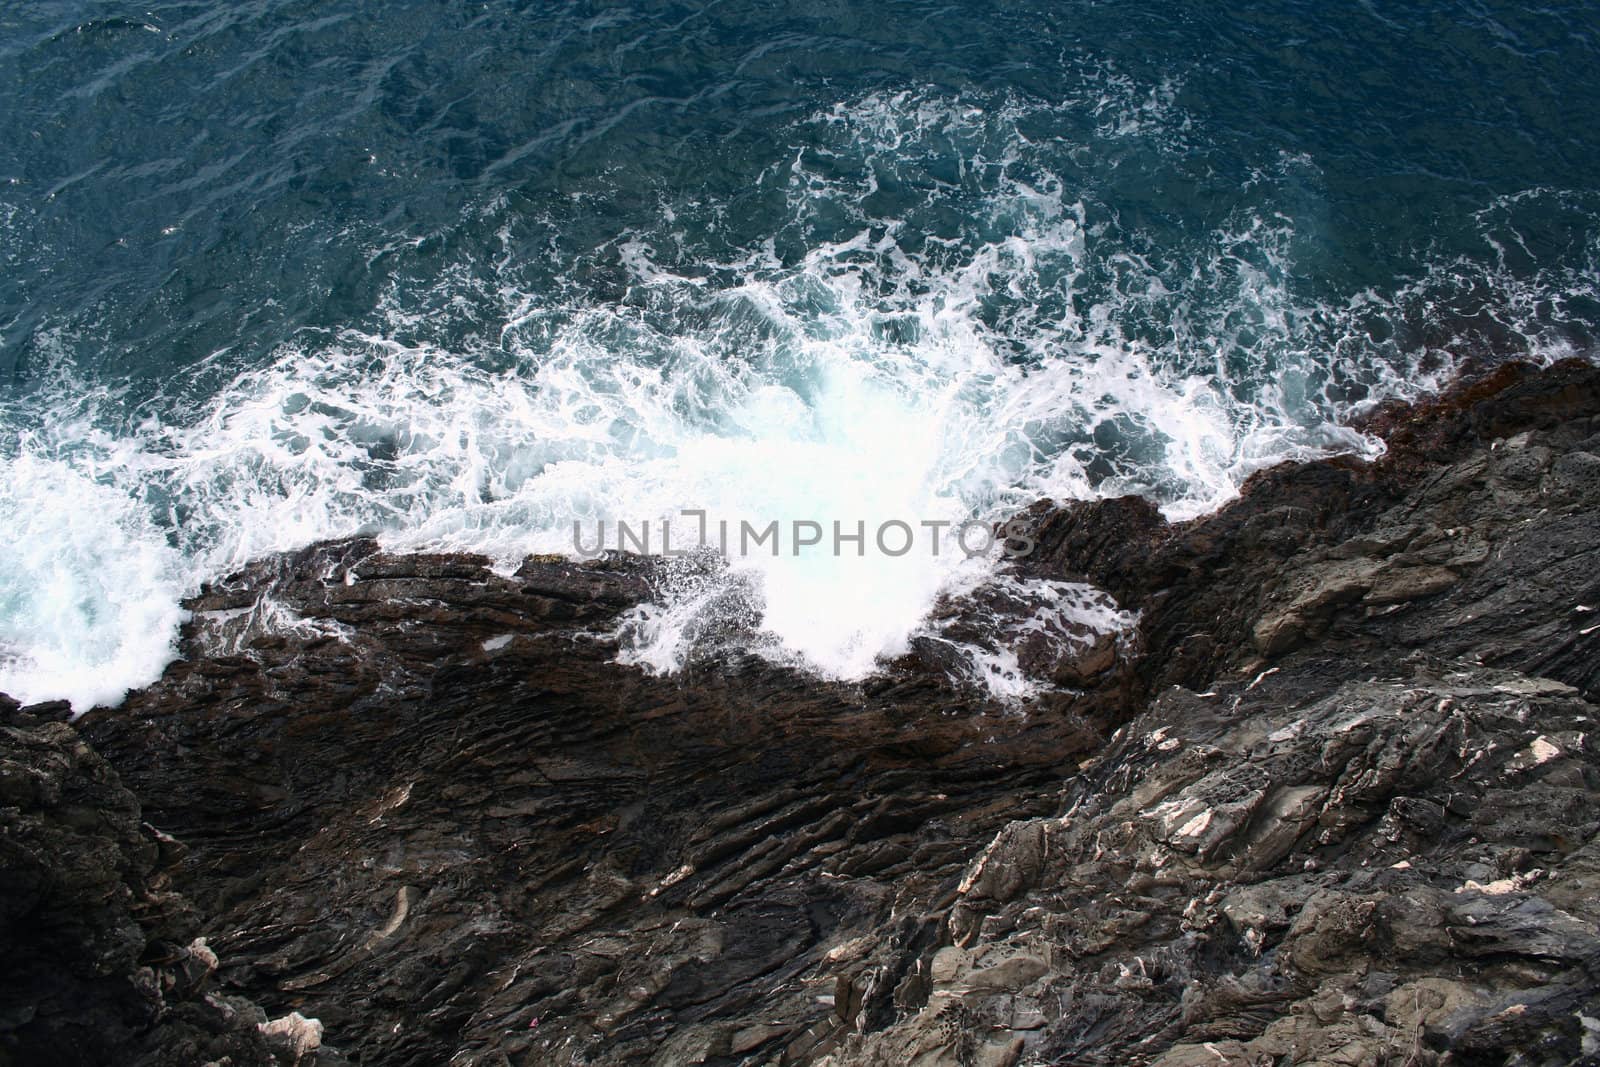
{"x":462,"y":275}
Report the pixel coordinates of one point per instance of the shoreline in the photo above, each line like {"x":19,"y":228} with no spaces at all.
{"x":1330,"y":792}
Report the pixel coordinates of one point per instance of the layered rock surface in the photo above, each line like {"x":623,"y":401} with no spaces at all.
{"x":1328,"y":801}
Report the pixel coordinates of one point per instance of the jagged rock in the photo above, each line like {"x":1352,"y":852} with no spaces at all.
{"x":294,"y":1036}
{"x":466,"y":835}
{"x":1323,"y":795}
{"x":95,"y":967}
{"x":1171,"y":940}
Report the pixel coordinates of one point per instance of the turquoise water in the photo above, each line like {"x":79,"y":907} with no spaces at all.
{"x":463,"y":274}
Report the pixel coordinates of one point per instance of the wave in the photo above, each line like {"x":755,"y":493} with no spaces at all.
{"x":949,"y":316}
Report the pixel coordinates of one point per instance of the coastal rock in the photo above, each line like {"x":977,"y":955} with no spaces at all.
{"x":1320,"y":795}
{"x":1396,"y":856}
{"x":425,"y":806}
{"x":101,"y":965}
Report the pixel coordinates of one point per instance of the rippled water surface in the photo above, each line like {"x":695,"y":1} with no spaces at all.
{"x":462,"y":274}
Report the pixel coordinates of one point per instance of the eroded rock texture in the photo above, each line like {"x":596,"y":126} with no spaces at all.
{"x":1328,"y":801}
{"x":103,"y":962}
{"x":437,"y":815}
{"x":1402,"y":870}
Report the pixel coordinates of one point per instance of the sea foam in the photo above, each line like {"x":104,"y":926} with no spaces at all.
{"x":1004,"y":340}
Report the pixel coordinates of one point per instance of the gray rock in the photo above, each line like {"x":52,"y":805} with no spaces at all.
{"x":1328,"y":800}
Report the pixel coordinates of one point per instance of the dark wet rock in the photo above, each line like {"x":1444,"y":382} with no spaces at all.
{"x":1468,"y":522}
{"x":14,"y":713}
{"x":102,"y":959}
{"x":1322,"y":795}
{"x":426,"y":807}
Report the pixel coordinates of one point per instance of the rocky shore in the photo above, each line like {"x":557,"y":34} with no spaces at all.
{"x":1329,"y":800}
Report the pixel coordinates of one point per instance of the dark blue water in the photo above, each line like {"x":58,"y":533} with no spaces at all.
{"x":460,"y":273}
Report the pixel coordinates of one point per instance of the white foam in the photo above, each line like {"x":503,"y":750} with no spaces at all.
{"x":1056,"y":618}
{"x":88,"y":591}
{"x":898,"y":373}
